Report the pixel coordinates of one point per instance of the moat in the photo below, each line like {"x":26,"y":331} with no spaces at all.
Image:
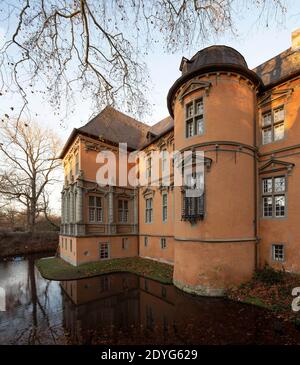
{"x":125,"y":309}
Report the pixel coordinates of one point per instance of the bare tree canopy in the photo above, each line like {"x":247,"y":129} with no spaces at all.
{"x":28,"y":163}
{"x":97,"y":47}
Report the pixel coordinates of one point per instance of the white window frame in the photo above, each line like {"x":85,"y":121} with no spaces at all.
{"x":104,"y":250}
{"x":272,"y":125}
{"x":271,"y":193}
{"x":123,"y":210}
{"x":95,"y":210}
{"x":149,"y":210}
{"x":194,"y":114}
{"x":164,"y":207}
{"x":278,"y":252}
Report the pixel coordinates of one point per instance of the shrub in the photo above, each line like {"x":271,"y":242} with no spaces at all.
{"x":268,"y":275}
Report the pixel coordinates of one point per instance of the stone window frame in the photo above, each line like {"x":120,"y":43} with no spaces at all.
{"x":271,"y":126}
{"x":123,"y":212}
{"x":96,"y":209}
{"x":149,"y":210}
{"x":278,"y":252}
{"x":104,"y":250}
{"x":192,"y":116}
{"x":163,"y":243}
{"x":125,"y":243}
{"x":71,"y":244}
{"x":193,"y":208}
{"x":146,"y":241}
{"x":272,"y":194}
{"x":148,"y":167}
{"x":164,"y":206}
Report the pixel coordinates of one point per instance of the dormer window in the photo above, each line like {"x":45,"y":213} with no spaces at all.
{"x":194,"y":118}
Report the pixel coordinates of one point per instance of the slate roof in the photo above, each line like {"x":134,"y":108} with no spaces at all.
{"x":279,"y":68}
{"x":113,"y":126}
{"x":162,"y":126}
{"x":214,"y":55}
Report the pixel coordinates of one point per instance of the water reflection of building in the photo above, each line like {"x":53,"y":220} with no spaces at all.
{"x":101,"y":302}
{"x":126,"y":309}
{"x":116,"y":301}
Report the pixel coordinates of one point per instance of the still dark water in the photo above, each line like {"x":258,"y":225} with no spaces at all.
{"x":125,"y":309}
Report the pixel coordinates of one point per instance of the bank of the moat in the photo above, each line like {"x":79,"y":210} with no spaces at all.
{"x":272,"y":290}
{"x":269,"y":289}
{"x":54,"y":268}
{"x":25,"y":243}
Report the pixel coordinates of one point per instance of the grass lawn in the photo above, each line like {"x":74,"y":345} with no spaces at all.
{"x":54,"y":268}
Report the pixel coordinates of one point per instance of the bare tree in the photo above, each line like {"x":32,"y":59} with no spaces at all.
{"x":29,"y":161}
{"x":96,"y":47}
{"x":47,"y":211}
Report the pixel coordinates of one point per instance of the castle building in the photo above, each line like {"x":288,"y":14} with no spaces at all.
{"x":247,"y":125}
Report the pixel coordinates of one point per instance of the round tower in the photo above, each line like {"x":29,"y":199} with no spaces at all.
{"x":213,"y":105}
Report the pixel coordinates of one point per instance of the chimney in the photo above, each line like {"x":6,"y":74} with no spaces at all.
{"x":296,"y":39}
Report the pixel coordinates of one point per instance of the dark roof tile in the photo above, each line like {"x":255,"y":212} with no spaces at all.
{"x":162,"y":126}
{"x":280,"y":67}
{"x":116,"y":127}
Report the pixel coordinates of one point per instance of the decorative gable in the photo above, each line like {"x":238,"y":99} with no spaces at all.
{"x":273,"y":95}
{"x":193,"y":86}
{"x":148,"y":192}
{"x":276,"y":165}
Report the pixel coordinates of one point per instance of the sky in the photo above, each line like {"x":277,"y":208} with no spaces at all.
{"x":256,"y":42}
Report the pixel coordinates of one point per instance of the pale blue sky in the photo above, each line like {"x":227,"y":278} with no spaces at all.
{"x":256,"y":42}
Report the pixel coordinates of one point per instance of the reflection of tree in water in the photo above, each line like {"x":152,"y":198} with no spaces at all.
{"x":33,"y":333}
{"x":124,"y":312}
